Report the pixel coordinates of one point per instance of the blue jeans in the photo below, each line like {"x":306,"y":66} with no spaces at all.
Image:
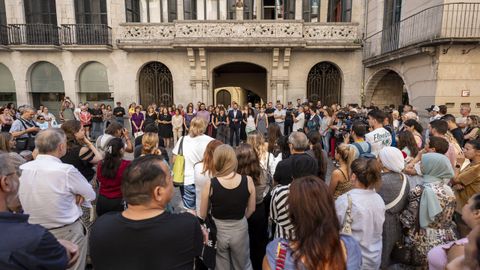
{"x":188,"y":196}
{"x":326,"y":142}
{"x":97,"y":129}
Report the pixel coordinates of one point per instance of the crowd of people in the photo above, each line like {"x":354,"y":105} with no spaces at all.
{"x":300,"y":186}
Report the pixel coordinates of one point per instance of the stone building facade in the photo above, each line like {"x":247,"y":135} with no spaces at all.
{"x":217,"y":51}
{"x":147,"y":51}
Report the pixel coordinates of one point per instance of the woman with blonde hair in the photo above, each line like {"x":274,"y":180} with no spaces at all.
{"x":204,"y":170}
{"x":231,"y":198}
{"x":192,"y":147}
{"x":268,"y":162}
{"x":150,"y":142}
{"x":340,"y":179}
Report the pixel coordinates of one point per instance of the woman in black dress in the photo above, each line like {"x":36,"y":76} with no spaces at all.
{"x":243,"y":133}
{"x":151,"y":116}
{"x":165,"y":127}
{"x":212,"y":128}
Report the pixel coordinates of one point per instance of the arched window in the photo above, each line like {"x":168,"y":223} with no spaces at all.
{"x":223,"y":97}
{"x":46,"y":85}
{"x":7,"y":87}
{"x":324,"y":83}
{"x":93,"y":86}
{"x":339,"y":11}
{"x":155,"y":84}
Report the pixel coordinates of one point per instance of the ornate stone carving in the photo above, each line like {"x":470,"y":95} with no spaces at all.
{"x":147,"y":32}
{"x":330,"y":32}
{"x":238,"y":32}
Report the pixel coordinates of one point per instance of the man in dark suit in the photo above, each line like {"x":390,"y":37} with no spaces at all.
{"x":235,"y":117}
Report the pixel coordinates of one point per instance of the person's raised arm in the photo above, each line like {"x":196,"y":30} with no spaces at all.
{"x":129,"y":148}
{"x":94,"y":157}
{"x":251,"y":199}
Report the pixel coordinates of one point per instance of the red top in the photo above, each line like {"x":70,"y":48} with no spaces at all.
{"x":110,"y":188}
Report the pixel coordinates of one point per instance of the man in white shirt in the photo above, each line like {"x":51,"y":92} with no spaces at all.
{"x":379,"y":137}
{"x":51,"y":192}
{"x":434,"y":113}
{"x":299,"y":121}
{"x":462,"y":120}
{"x":279,"y":114}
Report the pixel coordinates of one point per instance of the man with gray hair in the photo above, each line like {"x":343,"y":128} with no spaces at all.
{"x":27,"y":246}
{"x":298,"y":165}
{"x":298,"y":160}
{"x":24,"y":129}
{"x":52,"y":192}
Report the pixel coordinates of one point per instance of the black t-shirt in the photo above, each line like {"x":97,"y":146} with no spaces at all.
{"x":458,"y":135}
{"x":119,"y":112}
{"x":97,"y":115}
{"x":271,"y":119}
{"x":167,"y":241}
{"x":289,"y":115}
{"x":295,"y":166}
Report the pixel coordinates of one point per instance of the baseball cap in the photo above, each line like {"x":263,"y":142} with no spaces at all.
{"x":434,"y":108}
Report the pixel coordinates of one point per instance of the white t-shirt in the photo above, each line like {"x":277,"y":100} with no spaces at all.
{"x":379,"y":138}
{"x":278,"y":113}
{"x":193,"y":150}
{"x":200,"y":180}
{"x":300,"y":122}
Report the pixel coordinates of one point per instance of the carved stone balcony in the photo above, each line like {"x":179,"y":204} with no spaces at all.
{"x":131,"y":36}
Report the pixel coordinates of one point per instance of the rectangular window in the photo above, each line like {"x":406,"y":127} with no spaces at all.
{"x":339,"y":11}
{"x":91,"y":12}
{"x":311,"y":10}
{"x":132,"y":10}
{"x":3,"y":14}
{"x":190,"y":9}
{"x":172,"y":10}
{"x":43,"y":12}
{"x":231,"y":9}
{"x":289,"y":9}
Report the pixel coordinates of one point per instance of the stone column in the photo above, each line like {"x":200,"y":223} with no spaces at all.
{"x":180,"y":11}
{"x":239,"y":13}
{"x":223,"y":10}
{"x":323,"y":11}
{"x":298,"y":10}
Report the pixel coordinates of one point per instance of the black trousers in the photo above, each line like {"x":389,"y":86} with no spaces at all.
{"x":288,"y":126}
{"x":105,"y":205}
{"x":257,"y":231}
{"x":235,"y":130}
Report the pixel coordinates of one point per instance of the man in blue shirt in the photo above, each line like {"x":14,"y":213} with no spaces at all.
{"x":23,"y":245}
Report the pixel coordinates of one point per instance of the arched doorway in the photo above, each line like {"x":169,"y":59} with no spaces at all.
{"x":223,"y":97}
{"x":7,"y":87}
{"x":46,"y":85}
{"x":93,"y":86}
{"x":156,"y":85}
{"x":245,"y":82}
{"x":386,"y":88}
{"x":324,"y":83}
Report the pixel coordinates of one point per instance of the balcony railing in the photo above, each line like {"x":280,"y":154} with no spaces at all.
{"x":237,"y":33}
{"x":86,"y":34}
{"x":3,"y":34}
{"x":453,"y":21}
{"x":33,"y":34}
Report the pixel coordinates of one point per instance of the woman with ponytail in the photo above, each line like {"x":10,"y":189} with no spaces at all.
{"x":318,"y":243}
{"x":150,"y":143}
{"x":361,"y":211}
{"x":339,"y":181}
{"x":316,"y":151}
{"x":109,"y":175}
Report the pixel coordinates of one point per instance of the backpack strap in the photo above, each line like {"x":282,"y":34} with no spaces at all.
{"x":359,"y":148}
{"x":400,"y":195}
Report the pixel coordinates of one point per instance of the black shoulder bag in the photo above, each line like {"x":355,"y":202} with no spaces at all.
{"x":25,"y":143}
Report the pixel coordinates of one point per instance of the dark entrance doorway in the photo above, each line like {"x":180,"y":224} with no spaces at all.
{"x":324,"y":83}
{"x":156,"y":85}
{"x":224,"y":97}
{"x":245,"y":82}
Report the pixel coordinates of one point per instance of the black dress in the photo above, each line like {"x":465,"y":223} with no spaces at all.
{"x":243,"y":133}
{"x":73,"y":157}
{"x":150,"y":119}
{"x":165,"y":130}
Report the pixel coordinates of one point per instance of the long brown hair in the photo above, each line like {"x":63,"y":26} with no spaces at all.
{"x":273,"y":133}
{"x":313,"y":216}
{"x":71,"y":127}
{"x":248,"y":163}
{"x":5,"y":139}
{"x":225,"y":160}
{"x":406,"y":139}
{"x":208,"y":165}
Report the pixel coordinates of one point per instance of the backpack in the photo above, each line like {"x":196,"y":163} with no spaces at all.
{"x":364,"y":154}
{"x":314,"y":123}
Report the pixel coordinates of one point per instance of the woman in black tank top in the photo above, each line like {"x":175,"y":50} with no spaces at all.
{"x":231,"y":199}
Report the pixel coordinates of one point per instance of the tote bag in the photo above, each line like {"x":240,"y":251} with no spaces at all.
{"x":179,"y":166}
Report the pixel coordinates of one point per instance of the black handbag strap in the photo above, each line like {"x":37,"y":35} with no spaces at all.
{"x":180,"y":148}
{"x":24,"y":124}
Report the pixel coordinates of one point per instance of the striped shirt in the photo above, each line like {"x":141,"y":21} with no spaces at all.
{"x":279,"y":213}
